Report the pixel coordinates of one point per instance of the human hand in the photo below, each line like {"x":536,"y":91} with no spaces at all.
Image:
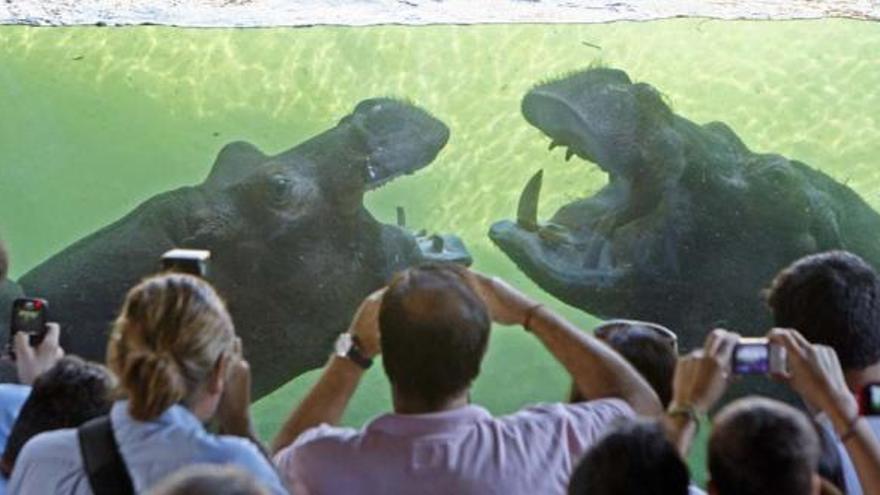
{"x":701,"y":377}
{"x":233,"y":411}
{"x":30,"y":361}
{"x":506,"y":304}
{"x":814,"y":372}
{"x":365,"y":324}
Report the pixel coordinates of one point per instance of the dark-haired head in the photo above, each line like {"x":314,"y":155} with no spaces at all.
{"x":634,"y":458}
{"x":833,"y":299}
{"x":760,"y":446}
{"x":650,"y":348}
{"x":434,"y":331}
{"x":67,"y":395}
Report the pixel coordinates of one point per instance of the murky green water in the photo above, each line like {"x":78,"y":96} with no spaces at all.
{"x":93,"y":121}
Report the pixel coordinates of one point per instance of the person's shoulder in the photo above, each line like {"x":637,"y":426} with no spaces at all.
{"x":13,"y":396}
{"x":598,"y":410}
{"x":237,"y":448}
{"x":56,"y":444}
{"x":50,"y":453}
{"x":321,"y":438}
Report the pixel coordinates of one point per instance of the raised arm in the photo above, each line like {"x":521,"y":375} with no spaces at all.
{"x":597,"y":370}
{"x":701,"y":378}
{"x":814,"y":372}
{"x":327,"y":400}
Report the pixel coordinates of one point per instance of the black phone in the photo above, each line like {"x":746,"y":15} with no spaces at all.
{"x":192,"y":261}
{"x":29,"y":316}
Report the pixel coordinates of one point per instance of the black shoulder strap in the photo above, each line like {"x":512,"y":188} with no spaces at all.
{"x":104,"y":465}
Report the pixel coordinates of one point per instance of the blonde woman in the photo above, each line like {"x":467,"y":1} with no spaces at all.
{"x":174,"y":350}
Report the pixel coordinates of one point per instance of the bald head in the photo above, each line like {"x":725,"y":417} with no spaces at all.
{"x":761,"y":446}
{"x":434,"y":330}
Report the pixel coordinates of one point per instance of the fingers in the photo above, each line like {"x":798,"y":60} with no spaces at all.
{"x":53,"y":334}
{"x":377,"y":295}
{"x":720,"y":344}
{"x":22,"y":345}
{"x":785,"y":338}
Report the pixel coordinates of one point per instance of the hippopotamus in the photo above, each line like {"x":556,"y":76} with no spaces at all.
{"x":691,"y":224}
{"x":293,"y":249}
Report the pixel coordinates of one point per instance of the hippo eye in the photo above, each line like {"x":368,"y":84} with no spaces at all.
{"x":279,"y":190}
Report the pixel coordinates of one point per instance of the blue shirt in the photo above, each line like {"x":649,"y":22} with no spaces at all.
{"x":51,"y":462}
{"x":12,"y":397}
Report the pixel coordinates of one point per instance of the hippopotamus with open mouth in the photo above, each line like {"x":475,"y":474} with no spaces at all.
{"x":691,"y":225}
{"x":293,"y":249}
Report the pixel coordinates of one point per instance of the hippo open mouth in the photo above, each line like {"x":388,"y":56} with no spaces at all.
{"x":597,"y":243}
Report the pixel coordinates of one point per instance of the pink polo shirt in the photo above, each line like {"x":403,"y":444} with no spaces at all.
{"x":463,"y":451}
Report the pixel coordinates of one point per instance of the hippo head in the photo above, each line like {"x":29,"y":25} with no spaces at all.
{"x":691,"y":224}
{"x":323,"y":179}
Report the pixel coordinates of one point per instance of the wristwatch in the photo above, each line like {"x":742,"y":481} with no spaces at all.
{"x":347,"y":346}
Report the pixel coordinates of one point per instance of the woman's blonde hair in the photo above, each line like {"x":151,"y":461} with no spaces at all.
{"x":166,"y":342}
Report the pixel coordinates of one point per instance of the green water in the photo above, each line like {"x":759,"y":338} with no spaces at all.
{"x":94,"y":120}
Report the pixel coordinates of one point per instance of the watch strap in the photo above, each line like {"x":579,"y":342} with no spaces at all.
{"x":357,"y":355}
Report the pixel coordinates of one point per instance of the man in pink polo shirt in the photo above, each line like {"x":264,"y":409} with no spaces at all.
{"x":432,"y":326}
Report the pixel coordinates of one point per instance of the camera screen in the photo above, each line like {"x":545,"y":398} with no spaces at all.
{"x":751,"y":359}
{"x":28,"y":317}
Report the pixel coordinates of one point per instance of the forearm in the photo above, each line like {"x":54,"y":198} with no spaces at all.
{"x":596,"y":369}
{"x":860,"y":443}
{"x":325,"y":402}
{"x":681,"y":429}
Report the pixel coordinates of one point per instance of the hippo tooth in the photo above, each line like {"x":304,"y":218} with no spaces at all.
{"x":568,"y":154}
{"x":527,"y":210}
{"x":553,"y":144}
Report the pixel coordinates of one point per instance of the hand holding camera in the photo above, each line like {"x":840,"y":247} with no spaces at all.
{"x":701,"y":377}
{"x":32,"y":361}
{"x":814,"y":372}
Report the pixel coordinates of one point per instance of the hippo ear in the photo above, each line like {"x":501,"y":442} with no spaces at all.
{"x":234,"y":162}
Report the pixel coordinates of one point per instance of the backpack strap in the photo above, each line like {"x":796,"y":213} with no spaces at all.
{"x":103,"y":464}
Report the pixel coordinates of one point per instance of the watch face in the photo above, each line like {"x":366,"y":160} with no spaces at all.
{"x":343,"y":344}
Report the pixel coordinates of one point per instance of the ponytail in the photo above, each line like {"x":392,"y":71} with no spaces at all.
{"x":166,"y":342}
{"x":154,"y":383}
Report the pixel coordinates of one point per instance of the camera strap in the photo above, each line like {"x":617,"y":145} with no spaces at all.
{"x":103,"y":463}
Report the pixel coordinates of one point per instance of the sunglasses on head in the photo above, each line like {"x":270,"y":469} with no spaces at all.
{"x":610,"y":328}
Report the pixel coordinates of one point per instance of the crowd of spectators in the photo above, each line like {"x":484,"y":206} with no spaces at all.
{"x":169,"y":411}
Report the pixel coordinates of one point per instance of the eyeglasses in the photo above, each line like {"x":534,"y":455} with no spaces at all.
{"x":610,"y":328}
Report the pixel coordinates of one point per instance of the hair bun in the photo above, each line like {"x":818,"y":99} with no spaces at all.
{"x":154,"y":382}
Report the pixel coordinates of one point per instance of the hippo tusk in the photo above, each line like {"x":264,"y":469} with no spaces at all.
{"x":568,"y":154}
{"x":527,"y":210}
{"x":553,"y":144}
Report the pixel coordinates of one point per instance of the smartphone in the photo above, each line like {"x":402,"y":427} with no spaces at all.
{"x":29,"y":316}
{"x":757,"y":356}
{"x":192,"y":261}
{"x":869,"y":400}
